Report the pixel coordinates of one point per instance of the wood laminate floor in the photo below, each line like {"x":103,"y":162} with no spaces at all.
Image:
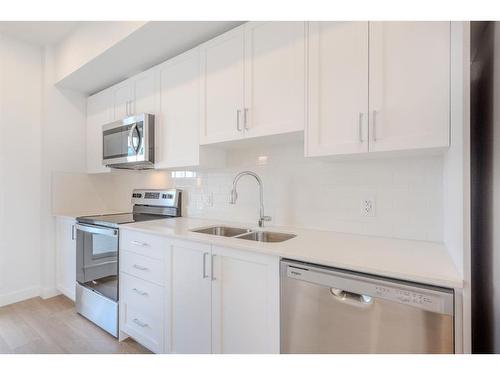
{"x":53,"y":326}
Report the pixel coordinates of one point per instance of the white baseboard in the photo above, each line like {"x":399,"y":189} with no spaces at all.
{"x":49,"y":292}
{"x":20,"y":295}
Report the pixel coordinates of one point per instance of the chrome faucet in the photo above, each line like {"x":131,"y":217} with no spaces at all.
{"x":234,"y":194}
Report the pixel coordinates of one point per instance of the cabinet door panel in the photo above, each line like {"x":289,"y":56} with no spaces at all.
{"x":66,"y":257}
{"x":123,"y":100}
{"x":190,"y":298}
{"x":222,"y":72}
{"x":245,"y":302}
{"x":146,"y":93}
{"x":409,"y":85}
{"x":338,"y":88}
{"x":274,"y":77}
{"x":180,"y":111}
{"x":99,"y":112}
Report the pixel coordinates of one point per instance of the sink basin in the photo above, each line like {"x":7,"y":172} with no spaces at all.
{"x":222,"y":231}
{"x":267,"y":236}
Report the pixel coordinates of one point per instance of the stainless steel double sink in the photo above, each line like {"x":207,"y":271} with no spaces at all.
{"x":245,"y":234}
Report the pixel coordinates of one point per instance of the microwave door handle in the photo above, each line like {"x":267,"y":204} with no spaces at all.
{"x":131,"y":138}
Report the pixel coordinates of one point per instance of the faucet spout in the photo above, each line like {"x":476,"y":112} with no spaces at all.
{"x":234,"y":194}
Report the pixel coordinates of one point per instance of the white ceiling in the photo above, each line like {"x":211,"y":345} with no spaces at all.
{"x":38,"y":32}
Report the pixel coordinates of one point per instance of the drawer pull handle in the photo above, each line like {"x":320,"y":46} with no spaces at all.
{"x":139,"y":323}
{"x":140,"y":267}
{"x":139,"y":243}
{"x":140,"y":292}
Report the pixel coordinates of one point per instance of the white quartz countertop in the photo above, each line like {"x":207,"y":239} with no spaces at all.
{"x":418,"y":261}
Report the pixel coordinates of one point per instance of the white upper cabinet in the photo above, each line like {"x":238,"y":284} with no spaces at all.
{"x":123,"y":99}
{"x":275,"y":78}
{"x":99,"y":108}
{"x":378,"y":86}
{"x":146,"y":93}
{"x":222,"y":75}
{"x":338,"y":88}
{"x":178,"y":135}
{"x":409,"y":85}
{"x":138,"y":94}
{"x":245,"y":302}
{"x":253,"y":82}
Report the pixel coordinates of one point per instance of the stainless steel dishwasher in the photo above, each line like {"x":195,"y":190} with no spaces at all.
{"x":328,"y":310}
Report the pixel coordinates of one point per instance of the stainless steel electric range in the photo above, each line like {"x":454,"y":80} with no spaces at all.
{"x":97,"y":253}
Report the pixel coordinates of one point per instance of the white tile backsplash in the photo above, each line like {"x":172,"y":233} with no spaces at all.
{"x":304,"y":192}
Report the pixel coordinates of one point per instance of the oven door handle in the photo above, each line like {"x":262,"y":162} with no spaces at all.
{"x":97,"y":230}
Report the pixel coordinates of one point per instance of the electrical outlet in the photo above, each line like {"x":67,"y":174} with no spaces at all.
{"x":368,"y":206}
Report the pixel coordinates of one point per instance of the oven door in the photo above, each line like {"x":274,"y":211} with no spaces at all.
{"x":97,"y":259}
{"x":124,"y":141}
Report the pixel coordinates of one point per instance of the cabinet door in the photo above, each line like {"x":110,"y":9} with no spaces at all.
{"x":99,"y":108}
{"x":66,"y":256}
{"x":123,"y":100}
{"x":222,"y":73}
{"x":409,"y":85}
{"x":190,"y":298}
{"x":146,"y":93}
{"x":338,"y":88}
{"x":179,"y":119}
{"x":275,"y":78}
{"x":245,"y":308}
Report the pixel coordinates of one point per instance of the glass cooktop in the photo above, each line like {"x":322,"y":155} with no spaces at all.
{"x":114,"y":220}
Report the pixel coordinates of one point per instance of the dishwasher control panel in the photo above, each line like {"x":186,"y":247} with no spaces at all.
{"x":409,"y":297}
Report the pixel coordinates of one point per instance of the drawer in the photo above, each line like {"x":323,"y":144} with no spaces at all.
{"x":142,"y":328}
{"x":146,"y":268}
{"x":144,"y":295}
{"x":143,"y":243}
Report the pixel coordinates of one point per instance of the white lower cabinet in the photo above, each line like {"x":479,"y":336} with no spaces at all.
{"x":212,"y":299}
{"x":245,"y":302}
{"x":143,"y":262}
{"x":142,"y":312}
{"x":190,"y":298}
{"x":66,"y":256}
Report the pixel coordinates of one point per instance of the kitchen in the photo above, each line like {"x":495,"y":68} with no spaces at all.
{"x":238,"y":187}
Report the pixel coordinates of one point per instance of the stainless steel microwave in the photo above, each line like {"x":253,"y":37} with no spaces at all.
{"x":129,"y":143}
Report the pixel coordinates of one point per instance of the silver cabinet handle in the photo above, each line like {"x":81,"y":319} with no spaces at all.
{"x":238,"y":113}
{"x":212,"y":267}
{"x":73,"y":232}
{"x":140,"y":292}
{"x":374,"y":126}
{"x":141,"y":268}
{"x":139,"y":243}
{"x":139,"y":323}
{"x":205,"y":265}
{"x":245,"y":122}
{"x":360,"y":127}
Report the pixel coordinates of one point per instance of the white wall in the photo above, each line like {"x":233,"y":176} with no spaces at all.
{"x":62,"y":150}
{"x":20,"y":169}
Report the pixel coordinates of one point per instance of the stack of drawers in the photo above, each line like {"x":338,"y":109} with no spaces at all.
{"x":142,"y":288}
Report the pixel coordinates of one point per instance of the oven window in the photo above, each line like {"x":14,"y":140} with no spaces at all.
{"x":103,"y":246}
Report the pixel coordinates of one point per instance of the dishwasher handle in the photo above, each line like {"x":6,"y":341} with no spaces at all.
{"x":351,"y":298}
